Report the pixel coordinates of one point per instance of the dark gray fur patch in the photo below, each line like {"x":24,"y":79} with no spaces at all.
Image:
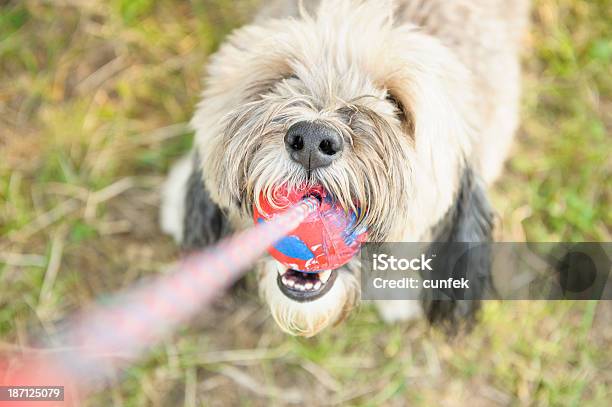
{"x":204,"y":222}
{"x":469,"y":220}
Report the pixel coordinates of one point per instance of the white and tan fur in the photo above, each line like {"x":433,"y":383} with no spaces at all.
{"x":419,"y":90}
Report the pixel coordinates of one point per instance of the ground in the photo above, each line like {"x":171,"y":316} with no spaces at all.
{"x":94,"y":98}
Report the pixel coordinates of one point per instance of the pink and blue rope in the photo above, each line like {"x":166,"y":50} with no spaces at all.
{"x":98,"y":342}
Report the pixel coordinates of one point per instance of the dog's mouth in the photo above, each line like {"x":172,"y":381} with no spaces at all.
{"x":304,"y":287}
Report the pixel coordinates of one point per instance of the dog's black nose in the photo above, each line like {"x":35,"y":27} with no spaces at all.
{"x":313,"y":144}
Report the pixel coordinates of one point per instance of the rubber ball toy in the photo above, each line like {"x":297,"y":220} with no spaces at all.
{"x":326,"y":240}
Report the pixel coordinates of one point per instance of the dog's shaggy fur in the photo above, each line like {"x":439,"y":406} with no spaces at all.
{"x":424,"y":94}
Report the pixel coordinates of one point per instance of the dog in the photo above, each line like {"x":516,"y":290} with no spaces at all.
{"x":404,"y":111}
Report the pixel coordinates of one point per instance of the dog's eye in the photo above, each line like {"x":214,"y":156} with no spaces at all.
{"x":399,"y":107}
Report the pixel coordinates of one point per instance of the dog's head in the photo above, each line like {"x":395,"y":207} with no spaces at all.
{"x":376,"y":114}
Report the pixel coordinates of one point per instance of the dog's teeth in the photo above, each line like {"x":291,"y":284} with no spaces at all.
{"x":290,"y":283}
{"x":285,"y":280}
{"x":324,"y":276}
{"x":299,"y":287}
{"x":308,"y":286}
{"x":317,"y":285}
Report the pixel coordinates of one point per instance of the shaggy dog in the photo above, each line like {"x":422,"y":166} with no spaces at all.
{"x":403,"y":109}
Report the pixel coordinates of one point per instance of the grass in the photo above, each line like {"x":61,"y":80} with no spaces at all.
{"x":93,"y":102}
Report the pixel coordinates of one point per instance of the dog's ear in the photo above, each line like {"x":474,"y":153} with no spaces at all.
{"x":204,"y":221}
{"x":470,"y":220}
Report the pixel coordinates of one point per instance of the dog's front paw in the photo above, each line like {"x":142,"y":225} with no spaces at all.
{"x":392,"y":311}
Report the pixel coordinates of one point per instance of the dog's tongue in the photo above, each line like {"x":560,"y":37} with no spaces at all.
{"x":326,"y":240}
